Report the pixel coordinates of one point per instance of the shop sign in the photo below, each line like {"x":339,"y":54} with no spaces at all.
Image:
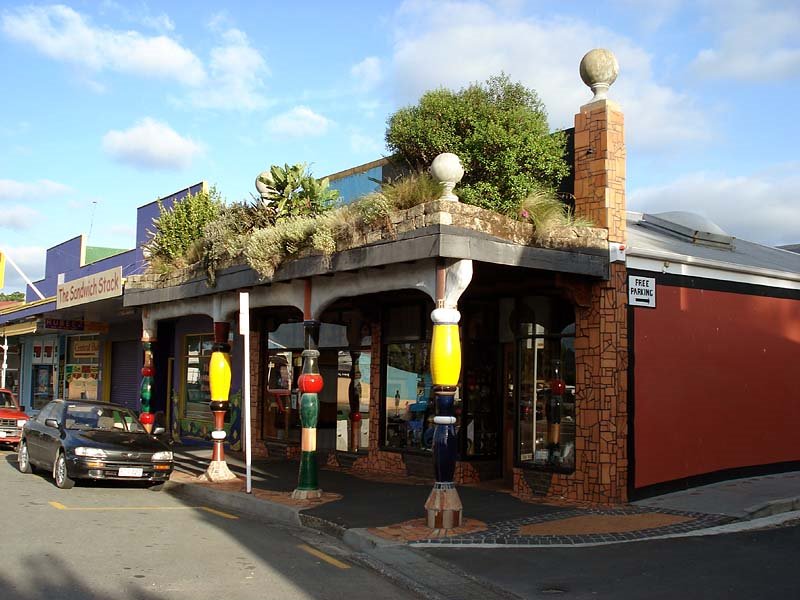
{"x":64,"y":324}
{"x":85,"y":348}
{"x":642,"y":291}
{"x":106,"y":284}
{"x":73,"y":325}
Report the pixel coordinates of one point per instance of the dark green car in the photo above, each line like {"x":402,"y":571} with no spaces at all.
{"x":92,"y":440}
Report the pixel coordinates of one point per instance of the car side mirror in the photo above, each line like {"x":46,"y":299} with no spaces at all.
{"x":51,"y":423}
{"x":159,"y":431}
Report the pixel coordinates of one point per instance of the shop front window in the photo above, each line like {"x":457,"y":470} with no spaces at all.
{"x":282,"y":419}
{"x":409,"y":402}
{"x":546,"y":401}
{"x":197,"y":392}
{"x":82,"y":370}
{"x":352,"y":398}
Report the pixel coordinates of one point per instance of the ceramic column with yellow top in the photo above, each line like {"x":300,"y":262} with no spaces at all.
{"x":443,"y":506}
{"x":219,"y":381}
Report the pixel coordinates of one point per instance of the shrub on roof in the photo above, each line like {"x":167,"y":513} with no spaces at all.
{"x":499,"y":131}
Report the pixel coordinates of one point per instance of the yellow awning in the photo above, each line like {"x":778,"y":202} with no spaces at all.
{"x":18,"y":328}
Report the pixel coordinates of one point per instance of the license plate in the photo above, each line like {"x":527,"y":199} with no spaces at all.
{"x":130,"y":472}
{"x":3,"y":434}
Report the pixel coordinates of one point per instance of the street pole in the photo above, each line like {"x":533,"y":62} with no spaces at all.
{"x":244,"y":329}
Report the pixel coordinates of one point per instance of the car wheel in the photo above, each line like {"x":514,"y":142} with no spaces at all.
{"x":60,"y":476}
{"x":23,"y":460}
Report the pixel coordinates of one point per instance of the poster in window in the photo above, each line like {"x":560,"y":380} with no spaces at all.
{"x":37,"y":354}
{"x":47,"y":353}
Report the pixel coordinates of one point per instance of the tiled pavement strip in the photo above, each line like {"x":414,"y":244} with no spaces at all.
{"x":511,"y":533}
{"x":543,"y":525}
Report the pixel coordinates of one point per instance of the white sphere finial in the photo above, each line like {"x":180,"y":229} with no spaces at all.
{"x":599,"y":69}
{"x":262,"y":184}
{"x":447,"y":170}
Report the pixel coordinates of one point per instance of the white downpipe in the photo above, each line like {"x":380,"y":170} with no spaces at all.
{"x":244,"y":329}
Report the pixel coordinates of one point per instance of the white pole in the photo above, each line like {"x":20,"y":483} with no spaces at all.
{"x":244,"y":329}
{"x":21,"y":274}
{"x":5,"y":363}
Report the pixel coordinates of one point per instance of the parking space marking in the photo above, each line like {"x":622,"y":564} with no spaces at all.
{"x":219,"y":513}
{"x":326,"y":557}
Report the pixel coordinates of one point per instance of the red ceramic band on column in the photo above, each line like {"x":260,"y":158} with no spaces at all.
{"x":147,"y":372}
{"x":310,"y":383}
{"x":221,"y":329}
{"x":147,"y":418}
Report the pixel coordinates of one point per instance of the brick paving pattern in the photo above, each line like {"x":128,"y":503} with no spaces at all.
{"x":511,"y":532}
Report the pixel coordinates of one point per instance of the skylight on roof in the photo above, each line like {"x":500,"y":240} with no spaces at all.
{"x":690,"y":227}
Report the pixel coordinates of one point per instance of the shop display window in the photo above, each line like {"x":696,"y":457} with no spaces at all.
{"x":546,"y":396}
{"x":197,"y":392}
{"x":82,"y":369}
{"x":409,"y":403}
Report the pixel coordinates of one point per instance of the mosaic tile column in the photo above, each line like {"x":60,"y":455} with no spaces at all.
{"x":219,"y":380}
{"x":443,"y":507}
{"x":146,"y":387}
{"x":310,"y":385}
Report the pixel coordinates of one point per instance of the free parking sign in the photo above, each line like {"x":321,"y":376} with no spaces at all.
{"x":642,"y":291}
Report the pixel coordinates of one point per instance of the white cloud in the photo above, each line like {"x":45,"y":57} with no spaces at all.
{"x":757,"y":41}
{"x":236,"y":76}
{"x":160,"y":22}
{"x":300,"y":121}
{"x":28,"y":258}
{"x":367,"y":74}
{"x":63,"y":34}
{"x":151,"y":144}
{"x":763,"y":207}
{"x":452,"y":44}
{"x":18,"y":217}
{"x":21,"y":190}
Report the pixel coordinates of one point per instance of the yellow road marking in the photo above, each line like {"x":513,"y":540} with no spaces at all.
{"x":326,"y":557}
{"x":219,"y":513}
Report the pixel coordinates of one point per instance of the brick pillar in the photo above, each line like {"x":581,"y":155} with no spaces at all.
{"x":600,"y":167}
{"x":601,"y":342}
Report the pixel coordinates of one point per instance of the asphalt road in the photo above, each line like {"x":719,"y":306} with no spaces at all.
{"x":755,"y":564}
{"x":120,"y":542}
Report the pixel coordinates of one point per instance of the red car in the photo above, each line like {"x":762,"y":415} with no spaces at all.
{"x":12,"y":418}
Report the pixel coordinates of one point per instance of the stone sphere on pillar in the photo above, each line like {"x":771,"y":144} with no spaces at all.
{"x":447,"y":170}
{"x":262,"y":183}
{"x":599,"y":69}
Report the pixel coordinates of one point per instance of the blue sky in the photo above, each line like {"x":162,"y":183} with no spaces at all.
{"x":109,"y":105}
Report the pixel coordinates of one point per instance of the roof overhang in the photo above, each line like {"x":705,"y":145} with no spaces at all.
{"x":434,"y":241}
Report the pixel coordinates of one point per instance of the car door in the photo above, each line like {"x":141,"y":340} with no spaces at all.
{"x":51,"y":436}
{"x":34,"y":437}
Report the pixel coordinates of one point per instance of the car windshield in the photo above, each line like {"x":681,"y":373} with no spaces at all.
{"x":6,"y":400}
{"x":101,"y":418}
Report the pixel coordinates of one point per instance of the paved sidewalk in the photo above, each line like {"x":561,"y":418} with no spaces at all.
{"x":746,"y":498}
{"x":370,"y":511}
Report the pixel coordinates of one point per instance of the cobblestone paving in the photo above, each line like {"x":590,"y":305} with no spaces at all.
{"x":508,"y":532}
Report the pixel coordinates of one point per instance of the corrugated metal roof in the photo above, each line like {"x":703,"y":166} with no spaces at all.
{"x":644,"y":241}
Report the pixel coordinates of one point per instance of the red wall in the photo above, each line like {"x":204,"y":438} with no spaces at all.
{"x":715,"y":383}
